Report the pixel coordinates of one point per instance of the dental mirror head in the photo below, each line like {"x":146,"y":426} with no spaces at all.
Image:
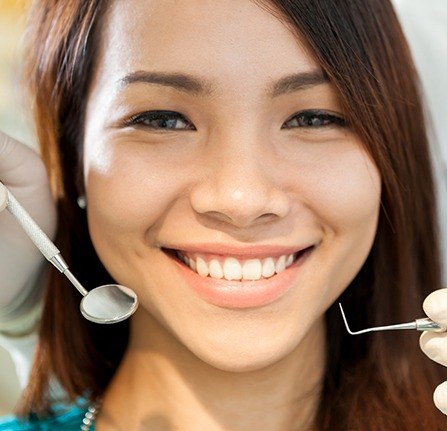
{"x":110,"y":303}
{"x":107,"y":304}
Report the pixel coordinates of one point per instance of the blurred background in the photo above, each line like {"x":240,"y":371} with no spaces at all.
{"x":14,"y":120}
{"x":425,"y":24}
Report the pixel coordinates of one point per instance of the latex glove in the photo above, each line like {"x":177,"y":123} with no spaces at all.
{"x":434,"y":344}
{"x":23,"y":172}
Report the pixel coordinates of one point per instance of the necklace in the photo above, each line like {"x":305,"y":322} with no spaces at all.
{"x":90,"y":416}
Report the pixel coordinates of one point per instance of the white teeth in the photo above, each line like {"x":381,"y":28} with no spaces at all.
{"x":233,"y":269}
{"x":268,"y":267}
{"x":192,"y":264}
{"x":215,"y":268}
{"x":280,"y":264}
{"x":252,"y":269}
{"x":202,"y":267}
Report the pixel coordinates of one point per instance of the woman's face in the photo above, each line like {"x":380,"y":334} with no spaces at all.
{"x":211,"y":130}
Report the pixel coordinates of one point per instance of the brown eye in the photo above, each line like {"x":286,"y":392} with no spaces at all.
{"x":314,"y":119}
{"x":161,"y":120}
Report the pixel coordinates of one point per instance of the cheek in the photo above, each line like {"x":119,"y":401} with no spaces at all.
{"x":128,"y":196}
{"x":130,"y":187}
{"x":341,"y":189}
{"x":346,"y":191}
{"x":351,"y":190}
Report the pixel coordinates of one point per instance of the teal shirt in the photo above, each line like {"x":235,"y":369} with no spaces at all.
{"x":65,"y":418}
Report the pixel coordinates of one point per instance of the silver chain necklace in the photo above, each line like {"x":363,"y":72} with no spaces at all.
{"x":90,"y":416}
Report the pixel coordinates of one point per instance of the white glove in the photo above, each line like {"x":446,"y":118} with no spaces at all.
{"x":434,"y":344}
{"x":23,"y":172}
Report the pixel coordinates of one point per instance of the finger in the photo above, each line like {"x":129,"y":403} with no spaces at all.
{"x":435,"y":306}
{"x":22,"y":171}
{"x":3,"y":197}
{"x":440,"y":397}
{"x":434,"y":345}
{"x":18,"y":162}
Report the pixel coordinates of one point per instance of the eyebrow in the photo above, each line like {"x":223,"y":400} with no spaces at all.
{"x":297,"y":81}
{"x":201,"y":87}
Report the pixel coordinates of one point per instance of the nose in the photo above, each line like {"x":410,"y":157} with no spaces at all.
{"x":238,"y":184}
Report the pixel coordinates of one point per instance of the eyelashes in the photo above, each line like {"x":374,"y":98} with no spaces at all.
{"x":160,"y":120}
{"x":164,"y":121}
{"x":315,"y":118}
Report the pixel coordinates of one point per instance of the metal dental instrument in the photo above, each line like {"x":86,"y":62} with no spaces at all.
{"x":110,"y":303}
{"x":424,"y":324}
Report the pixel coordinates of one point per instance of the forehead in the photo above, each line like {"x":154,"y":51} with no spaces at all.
{"x":236,"y":40}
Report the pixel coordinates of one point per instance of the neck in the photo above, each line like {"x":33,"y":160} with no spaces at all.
{"x":170,"y":388}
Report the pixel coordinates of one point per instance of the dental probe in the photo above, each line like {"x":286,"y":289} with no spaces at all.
{"x":110,"y":303}
{"x":423,"y":324}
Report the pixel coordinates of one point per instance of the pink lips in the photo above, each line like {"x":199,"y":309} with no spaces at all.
{"x":242,"y":294}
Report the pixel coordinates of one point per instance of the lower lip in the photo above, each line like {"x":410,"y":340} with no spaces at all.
{"x":241,"y":294}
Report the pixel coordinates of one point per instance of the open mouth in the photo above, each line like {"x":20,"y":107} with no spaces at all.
{"x":236,"y":269}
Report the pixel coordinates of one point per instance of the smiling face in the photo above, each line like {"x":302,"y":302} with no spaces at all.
{"x":211,"y":130}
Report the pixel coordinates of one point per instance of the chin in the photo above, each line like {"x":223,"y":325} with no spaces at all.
{"x":242,"y":362}
{"x":242,"y":356}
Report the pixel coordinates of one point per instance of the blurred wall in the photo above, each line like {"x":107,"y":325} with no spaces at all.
{"x":14,"y":121}
{"x":13,"y":114}
{"x":425,"y":24}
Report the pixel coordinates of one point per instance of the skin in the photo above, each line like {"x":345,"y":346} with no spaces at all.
{"x":238,"y":178}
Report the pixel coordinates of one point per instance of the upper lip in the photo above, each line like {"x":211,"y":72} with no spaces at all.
{"x":247,"y":251}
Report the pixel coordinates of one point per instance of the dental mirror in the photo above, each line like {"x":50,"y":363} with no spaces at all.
{"x":423,"y":324}
{"x":107,"y":304}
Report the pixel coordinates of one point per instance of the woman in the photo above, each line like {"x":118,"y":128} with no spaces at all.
{"x":277,"y":146}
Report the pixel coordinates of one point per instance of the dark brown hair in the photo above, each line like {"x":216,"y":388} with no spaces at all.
{"x":377,"y":382}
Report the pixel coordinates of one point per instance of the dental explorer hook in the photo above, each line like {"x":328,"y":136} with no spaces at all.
{"x":423,"y":324}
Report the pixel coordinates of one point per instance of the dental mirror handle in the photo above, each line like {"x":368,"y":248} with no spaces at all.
{"x":40,"y":239}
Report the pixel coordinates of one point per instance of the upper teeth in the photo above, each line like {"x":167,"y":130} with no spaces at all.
{"x":231,"y":268}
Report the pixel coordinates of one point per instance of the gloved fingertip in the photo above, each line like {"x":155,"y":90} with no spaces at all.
{"x":3,"y":197}
{"x":440,"y":397}
{"x":435,"y":306}
{"x":423,"y":340}
{"x":434,"y":345}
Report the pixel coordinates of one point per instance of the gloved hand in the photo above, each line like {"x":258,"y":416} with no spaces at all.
{"x":23,"y":172}
{"x":434,"y":344}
